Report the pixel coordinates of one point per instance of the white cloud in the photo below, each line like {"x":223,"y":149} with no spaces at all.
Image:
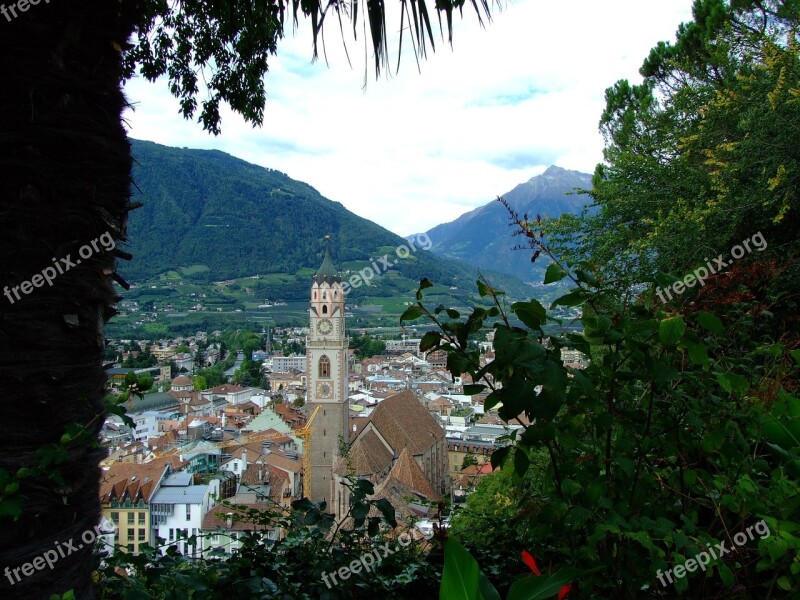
{"x":415,"y":150}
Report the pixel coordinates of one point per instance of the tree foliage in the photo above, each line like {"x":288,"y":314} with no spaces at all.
{"x":702,"y":153}
{"x":366,"y":346}
{"x":223,"y":48}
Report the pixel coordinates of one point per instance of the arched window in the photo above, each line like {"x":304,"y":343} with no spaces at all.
{"x":325,"y":367}
{"x":325,"y":309}
{"x":324,"y":295}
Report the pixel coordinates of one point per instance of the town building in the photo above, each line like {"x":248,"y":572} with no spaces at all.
{"x":126,"y":491}
{"x":178,"y":508}
{"x":287,"y":364}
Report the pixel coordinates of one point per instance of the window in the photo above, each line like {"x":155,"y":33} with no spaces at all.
{"x":141,"y":518}
{"x":131,"y":548}
{"x":236,"y":466}
{"x":142,"y":535}
{"x":131,"y":534}
{"x":130,"y":518}
{"x":171,"y":534}
{"x":325,"y":367}
{"x":115,"y":518}
{"x":188,"y":512}
{"x":324,"y":309}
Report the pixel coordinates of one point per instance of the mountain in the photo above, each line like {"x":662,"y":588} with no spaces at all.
{"x":483,"y":237}
{"x":208,"y":216}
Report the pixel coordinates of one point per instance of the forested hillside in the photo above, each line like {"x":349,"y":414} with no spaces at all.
{"x":210,"y":216}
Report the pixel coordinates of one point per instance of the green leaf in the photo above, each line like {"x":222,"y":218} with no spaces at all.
{"x":725,"y":573}
{"x":412,"y":313}
{"x":360,"y":511}
{"x":475,"y":388}
{"x":521,"y":461}
{"x":698,"y":353}
{"x":671,"y":330}
{"x":424,"y":283}
{"x":387,"y":510}
{"x":461,"y":574}
{"x":733,"y":383}
{"x":531,"y":587}
{"x":486,"y":290}
{"x":499,"y":456}
{"x":795,"y":354}
{"x":365,"y":486}
{"x":554,"y":273}
{"x":571,"y":299}
{"x":532,"y":313}
{"x":776,"y":547}
{"x":430,"y":340}
{"x":487,"y":590}
{"x":712,"y":441}
{"x":710,"y":321}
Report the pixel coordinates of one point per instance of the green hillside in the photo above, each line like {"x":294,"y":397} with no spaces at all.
{"x":230,"y":236}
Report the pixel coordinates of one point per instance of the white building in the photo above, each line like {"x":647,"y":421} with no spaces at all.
{"x":404,"y":345}
{"x":231,"y":393}
{"x":285,"y":364}
{"x":147,"y":424}
{"x":177,"y":510}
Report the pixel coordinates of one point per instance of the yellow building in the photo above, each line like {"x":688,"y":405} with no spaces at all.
{"x":125,"y":492}
{"x":458,"y":450}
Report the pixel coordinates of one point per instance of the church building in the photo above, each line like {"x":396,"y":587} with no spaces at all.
{"x":400,"y":447}
{"x":327,"y":376}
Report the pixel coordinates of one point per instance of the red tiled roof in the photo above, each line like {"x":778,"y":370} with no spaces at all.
{"x":405,"y":423}
{"x":132,"y":481}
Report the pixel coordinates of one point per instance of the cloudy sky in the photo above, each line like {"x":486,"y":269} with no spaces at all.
{"x":416,"y":149}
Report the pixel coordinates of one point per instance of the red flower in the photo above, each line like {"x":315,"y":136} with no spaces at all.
{"x":528,"y":559}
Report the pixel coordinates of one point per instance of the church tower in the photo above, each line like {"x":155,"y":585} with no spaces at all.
{"x":327,"y":378}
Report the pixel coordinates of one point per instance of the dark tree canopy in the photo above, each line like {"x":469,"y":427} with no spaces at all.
{"x":224,"y":46}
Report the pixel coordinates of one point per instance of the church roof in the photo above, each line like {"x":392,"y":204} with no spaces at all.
{"x":327,"y":270}
{"x":405,"y":423}
{"x":368,"y":455}
{"x":408,"y":472}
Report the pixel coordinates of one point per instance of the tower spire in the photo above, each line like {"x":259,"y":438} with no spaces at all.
{"x":327,"y":271}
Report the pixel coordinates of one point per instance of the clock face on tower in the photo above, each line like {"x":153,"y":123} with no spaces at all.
{"x":324,"y":390}
{"x":325,"y":326}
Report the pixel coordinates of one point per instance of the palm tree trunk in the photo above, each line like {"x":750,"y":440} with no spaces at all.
{"x":64,"y":181}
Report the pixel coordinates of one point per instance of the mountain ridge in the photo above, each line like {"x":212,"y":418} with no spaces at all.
{"x":212,"y":216}
{"x":482,"y":237}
